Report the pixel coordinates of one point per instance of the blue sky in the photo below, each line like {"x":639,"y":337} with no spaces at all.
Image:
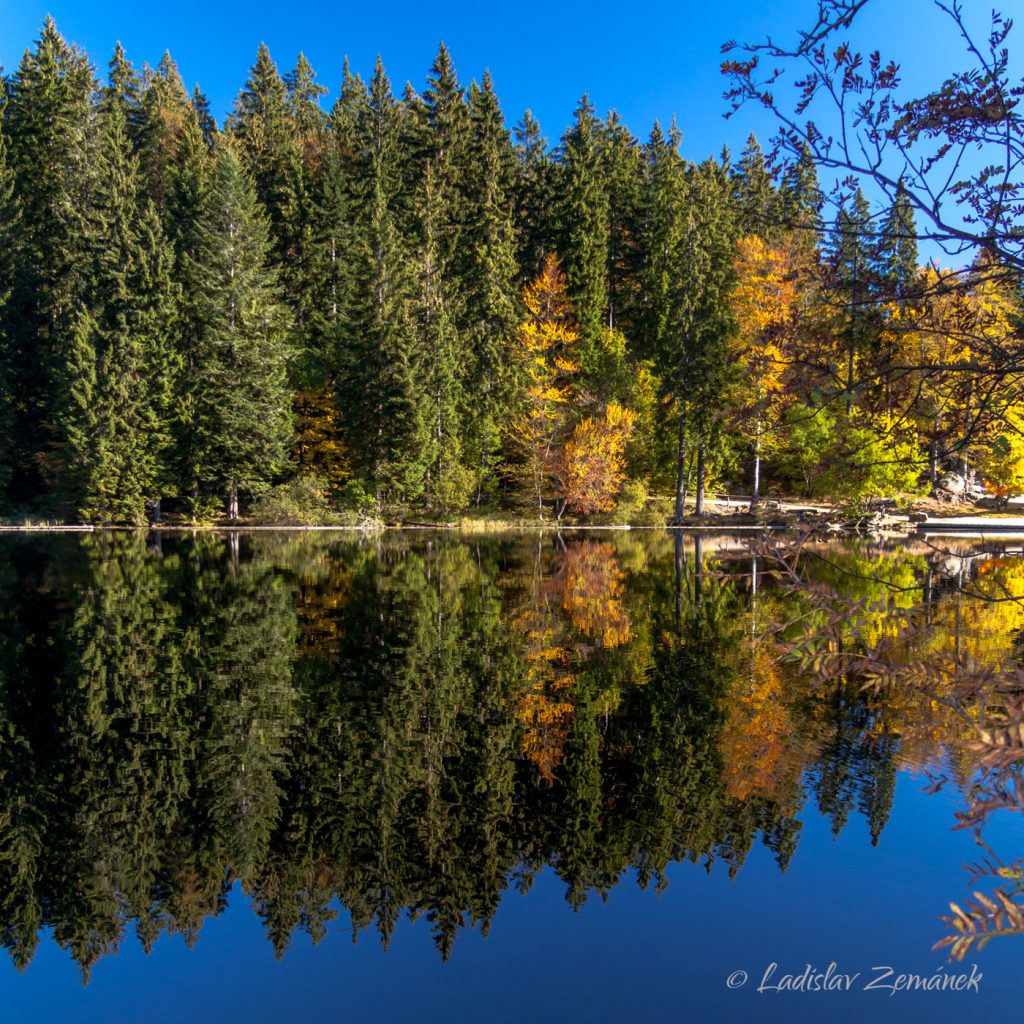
{"x":646,"y":59}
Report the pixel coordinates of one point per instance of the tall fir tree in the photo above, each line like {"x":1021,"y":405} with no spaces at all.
{"x":260,"y":122}
{"x":10,"y":236}
{"x":381,"y":379}
{"x":757,"y":200}
{"x":583,"y":223}
{"x":490,"y":279}
{"x":534,"y":197}
{"x":897,"y":249}
{"x":47,"y":123}
{"x":854,"y":257}
{"x":118,"y":402}
{"x":622,"y":165}
{"x":241,"y":406}
{"x":440,"y":142}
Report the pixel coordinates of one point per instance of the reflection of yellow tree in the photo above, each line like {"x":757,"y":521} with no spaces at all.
{"x":757,"y":732}
{"x":574,"y":615}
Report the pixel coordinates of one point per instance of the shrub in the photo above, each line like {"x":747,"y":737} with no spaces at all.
{"x":302,"y":501}
{"x":630,"y":505}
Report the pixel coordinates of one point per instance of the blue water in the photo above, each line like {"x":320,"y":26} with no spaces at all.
{"x":639,"y":956}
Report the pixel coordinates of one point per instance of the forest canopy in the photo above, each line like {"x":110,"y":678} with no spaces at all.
{"x":402,"y":307}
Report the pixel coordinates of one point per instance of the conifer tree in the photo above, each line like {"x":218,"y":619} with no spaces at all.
{"x":161,"y":128}
{"x":381,"y":378}
{"x":117,"y":408}
{"x":853,"y":257}
{"x":260,"y":121}
{"x":490,"y":279}
{"x":10,"y":216}
{"x":583,"y":219}
{"x":47,"y":124}
{"x":757,"y":200}
{"x":534,"y":197}
{"x":621,"y":163}
{"x":897,"y":249}
{"x":241,"y":404}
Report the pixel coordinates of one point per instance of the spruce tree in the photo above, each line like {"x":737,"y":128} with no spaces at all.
{"x":381,"y":375}
{"x":534,"y":197}
{"x":164,"y":121}
{"x":117,"y":408}
{"x":47,"y":123}
{"x":622,"y":165}
{"x":440,"y":133}
{"x":241,"y":405}
{"x":897,"y":248}
{"x":490,"y":280}
{"x":757,"y":200}
{"x":583,"y":221}
{"x":853,"y":259}
{"x":10,"y":234}
{"x":261,"y":124}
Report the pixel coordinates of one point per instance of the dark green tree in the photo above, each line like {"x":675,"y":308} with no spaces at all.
{"x":583,"y":223}
{"x":241,"y":406}
{"x":381,"y":376}
{"x":47,"y":125}
{"x":117,"y":413}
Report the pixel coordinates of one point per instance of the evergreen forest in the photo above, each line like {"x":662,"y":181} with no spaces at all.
{"x":402,"y":307}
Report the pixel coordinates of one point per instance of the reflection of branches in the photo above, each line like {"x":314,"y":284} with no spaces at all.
{"x":905,"y":647}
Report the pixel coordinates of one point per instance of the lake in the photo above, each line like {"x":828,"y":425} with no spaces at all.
{"x":577,"y":776}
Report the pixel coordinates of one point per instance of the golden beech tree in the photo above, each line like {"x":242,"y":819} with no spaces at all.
{"x":762,"y":302}
{"x":545,"y":345}
{"x":592,"y":468}
{"x":961,"y":401}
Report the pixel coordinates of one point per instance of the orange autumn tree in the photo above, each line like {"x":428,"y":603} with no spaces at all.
{"x":545,"y":346}
{"x":593,"y":465}
{"x":762,"y":303}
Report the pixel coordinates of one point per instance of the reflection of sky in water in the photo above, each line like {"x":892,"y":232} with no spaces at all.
{"x":637,"y":956}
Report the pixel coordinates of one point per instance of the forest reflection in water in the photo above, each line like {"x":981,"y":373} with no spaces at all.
{"x":413,"y":723}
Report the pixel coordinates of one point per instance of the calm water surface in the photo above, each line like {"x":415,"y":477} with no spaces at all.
{"x":576,"y":777}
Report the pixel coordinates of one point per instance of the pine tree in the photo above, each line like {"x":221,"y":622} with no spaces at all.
{"x":583,"y":220}
{"x":241,"y":406}
{"x":116,"y":415}
{"x":47,"y":124}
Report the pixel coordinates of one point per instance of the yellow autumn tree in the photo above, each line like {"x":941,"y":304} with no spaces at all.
{"x":317,"y":448}
{"x":593,"y":465}
{"x":545,"y":347}
{"x":948,"y":344}
{"x":762,"y":303}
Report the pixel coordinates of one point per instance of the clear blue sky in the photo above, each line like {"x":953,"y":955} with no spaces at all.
{"x":646,"y":59}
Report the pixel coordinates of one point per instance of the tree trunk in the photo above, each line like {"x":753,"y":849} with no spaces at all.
{"x":699,"y":510}
{"x":233,"y":502}
{"x":756,"y":490}
{"x":681,"y":472}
